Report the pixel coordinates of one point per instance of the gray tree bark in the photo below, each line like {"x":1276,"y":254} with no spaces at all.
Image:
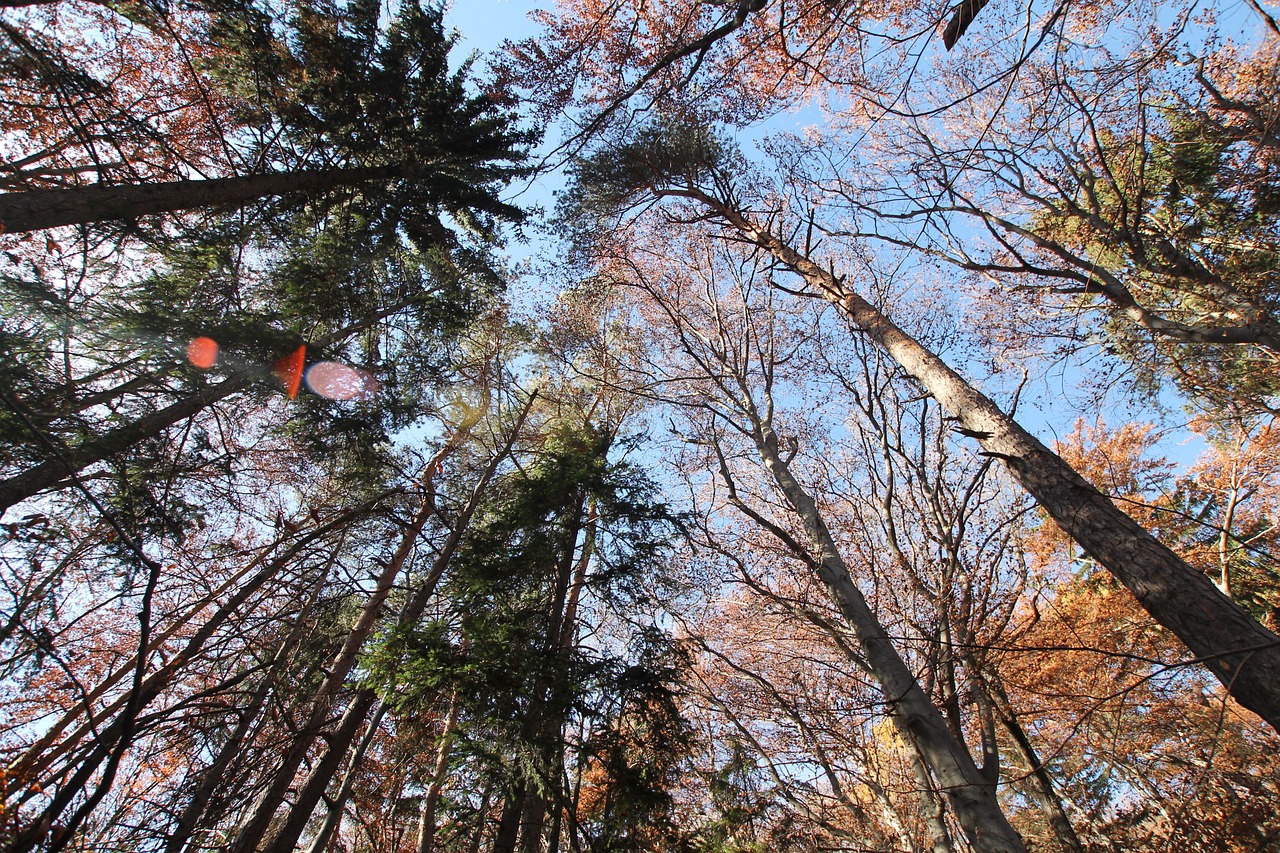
{"x":1237,"y":649}
{"x":971,"y":795}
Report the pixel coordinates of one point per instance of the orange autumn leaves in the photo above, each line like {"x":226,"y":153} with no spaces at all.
{"x":1219,"y":515}
{"x":140,"y":109}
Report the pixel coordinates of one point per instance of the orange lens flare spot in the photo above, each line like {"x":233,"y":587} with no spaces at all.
{"x":203,"y":352}
{"x":289,"y":370}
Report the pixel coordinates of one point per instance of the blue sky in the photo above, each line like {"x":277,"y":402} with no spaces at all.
{"x":484,"y":24}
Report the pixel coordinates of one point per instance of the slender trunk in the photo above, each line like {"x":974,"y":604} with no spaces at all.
{"x":1041,"y":782}
{"x":107,"y":740}
{"x":285,"y":835}
{"x":972,"y":797}
{"x":338,"y":806}
{"x":482,"y":819}
{"x":935,"y":815}
{"x":322,"y":705}
{"x":212,"y":778}
{"x":1237,"y":649}
{"x":37,"y":209}
{"x":35,"y":760}
{"x":75,"y":459}
{"x":439,"y":774}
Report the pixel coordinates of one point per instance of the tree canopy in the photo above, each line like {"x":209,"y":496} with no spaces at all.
{"x":702,"y":426}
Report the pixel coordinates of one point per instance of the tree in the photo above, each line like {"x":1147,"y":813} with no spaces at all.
{"x":1148,"y":204}
{"x":735,"y":358}
{"x":685,"y":164}
{"x":383,"y":117}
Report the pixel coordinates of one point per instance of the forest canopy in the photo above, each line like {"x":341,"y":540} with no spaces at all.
{"x":704,"y":426}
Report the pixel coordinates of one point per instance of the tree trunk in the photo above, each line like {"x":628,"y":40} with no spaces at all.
{"x":75,"y":459}
{"x":37,"y":209}
{"x":285,"y":835}
{"x":34,"y":759}
{"x":253,"y":831}
{"x":338,"y":806}
{"x":972,"y":796}
{"x":933,"y":812}
{"x":212,"y":778}
{"x":1237,"y":649}
{"x":504,"y":840}
{"x":439,"y":774}
{"x":71,"y":461}
{"x":1041,"y":781}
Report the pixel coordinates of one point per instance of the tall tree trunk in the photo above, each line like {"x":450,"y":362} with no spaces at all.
{"x":1040,"y":780}
{"x":106,"y":737}
{"x":1237,"y":649}
{"x":338,"y":807}
{"x":36,"y":209}
{"x":75,"y":459}
{"x":508,"y":832}
{"x":212,"y":777}
{"x":285,"y":835}
{"x":70,"y":461}
{"x":439,"y":775}
{"x":972,"y":796}
{"x":253,"y":831}
{"x":933,"y":811}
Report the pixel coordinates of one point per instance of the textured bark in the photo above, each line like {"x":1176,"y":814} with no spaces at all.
{"x":504,"y":839}
{"x":971,"y":795}
{"x":34,"y":210}
{"x":1236,"y":648}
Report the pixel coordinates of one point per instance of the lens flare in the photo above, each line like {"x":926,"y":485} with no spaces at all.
{"x":340,"y":381}
{"x":289,"y":370}
{"x":203,"y":352}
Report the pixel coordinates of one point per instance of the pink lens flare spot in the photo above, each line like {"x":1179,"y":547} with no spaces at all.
{"x":203,"y":352}
{"x":340,"y":381}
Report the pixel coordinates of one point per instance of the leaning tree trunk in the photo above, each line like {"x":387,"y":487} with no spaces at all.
{"x":285,"y":834}
{"x":971,"y":794}
{"x":259,"y":822}
{"x":1038,"y":779}
{"x":213,"y":776}
{"x":439,"y":775}
{"x":34,"y":210}
{"x":1237,"y":649}
{"x":71,"y":461}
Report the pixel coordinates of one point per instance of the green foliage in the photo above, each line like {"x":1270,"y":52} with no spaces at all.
{"x":509,"y":648}
{"x":1186,"y":219}
{"x":340,"y":87}
{"x":672,"y":151}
